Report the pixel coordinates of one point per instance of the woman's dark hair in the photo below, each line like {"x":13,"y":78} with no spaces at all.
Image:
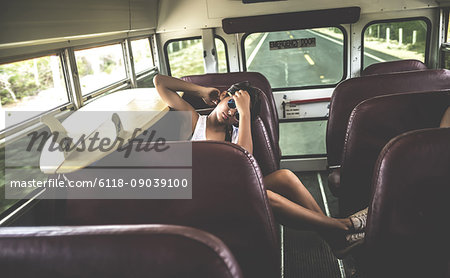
{"x":254,"y":96}
{"x":254,"y":102}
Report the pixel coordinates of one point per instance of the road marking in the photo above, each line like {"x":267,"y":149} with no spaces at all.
{"x":374,"y":57}
{"x":325,"y":37}
{"x":255,"y":51}
{"x":341,"y":43}
{"x":308,"y":58}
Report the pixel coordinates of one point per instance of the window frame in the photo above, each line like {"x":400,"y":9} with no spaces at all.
{"x":111,"y":87}
{"x":299,"y":120}
{"x":344,"y":61}
{"x":404,"y":19}
{"x":446,"y":24}
{"x":138,"y":74}
{"x":226,"y":51}
{"x":444,"y":48}
{"x":65,"y":55}
{"x":69,"y":105}
{"x":166,"y":54}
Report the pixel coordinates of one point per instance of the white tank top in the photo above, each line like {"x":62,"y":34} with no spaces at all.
{"x":200,"y":130}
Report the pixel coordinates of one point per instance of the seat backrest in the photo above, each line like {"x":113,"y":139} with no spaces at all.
{"x":351,"y":92}
{"x":372,"y":124}
{"x":263,"y":146}
{"x":394,"y":66}
{"x":408,"y":225}
{"x":114,"y":251}
{"x":222,"y":81}
{"x":228,"y":200}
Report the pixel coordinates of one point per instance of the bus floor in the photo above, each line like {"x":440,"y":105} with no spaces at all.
{"x":305,"y":253}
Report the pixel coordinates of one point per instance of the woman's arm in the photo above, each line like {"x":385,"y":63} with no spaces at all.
{"x":242,"y":99}
{"x":167,"y":87}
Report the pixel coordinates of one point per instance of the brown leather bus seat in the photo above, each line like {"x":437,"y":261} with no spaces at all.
{"x":372,"y":124}
{"x":408,"y":225}
{"x":228,"y":200}
{"x":351,"y":92}
{"x":114,"y":251}
{"x":394,"y":66}
{"x":268,"y":114}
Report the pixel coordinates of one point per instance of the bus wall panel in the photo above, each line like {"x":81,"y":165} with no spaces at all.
{"x":193,"y":14}
{"x":144,"y":14}
{"x":28,"y":20}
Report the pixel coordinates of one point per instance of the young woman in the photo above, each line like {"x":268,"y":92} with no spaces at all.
{"x":291,"y":202}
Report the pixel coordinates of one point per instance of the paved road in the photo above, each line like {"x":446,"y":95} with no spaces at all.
{"x":322,"y":64}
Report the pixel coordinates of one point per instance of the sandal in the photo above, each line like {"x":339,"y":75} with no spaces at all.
{"x":359,"y":220}
{"x":352,"y":241}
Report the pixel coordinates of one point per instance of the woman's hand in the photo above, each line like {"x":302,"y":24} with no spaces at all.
{"x":242,"y":99}
{"x":210,"y":95}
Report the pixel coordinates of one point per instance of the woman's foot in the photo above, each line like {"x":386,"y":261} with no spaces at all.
{"x":351,"y":241}
{"x":342,"y":242}
{"x":359,"y":220}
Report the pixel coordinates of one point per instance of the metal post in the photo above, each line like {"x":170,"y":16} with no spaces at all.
{"x":414,"y":38}
{"x":400,"y":35}
{"x":388,"y":35}
{"x":71,"y":77}
{"x":129,"y":62}
{"x":210,"y":53}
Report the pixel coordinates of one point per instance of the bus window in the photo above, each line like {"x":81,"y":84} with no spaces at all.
{"x":186,"y":56}
{"x":312,"y":141}
{"x":99,"y":67}
{"x":448,"y":27}
{"x":395,"y":40}
{"x":31,"y":85}
{"x":142,"y":55}
{"x":221,"y":55}
{"x":298,"y":58}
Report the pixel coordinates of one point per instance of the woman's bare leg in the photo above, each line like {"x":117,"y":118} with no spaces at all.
{"x":287,"y":184}
{"x":294,"y":215}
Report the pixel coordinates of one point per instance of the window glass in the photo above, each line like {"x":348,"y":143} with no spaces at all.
{"x":303,"y":138}
{"x":142,"y":55}
{"x":297,"y":58}
{"x":221,"y":55}
{"x":185,"y":57}
{"x":448,"y":28}
{"x":99,"y":67}
{"x":390,"y":41}
{"x":31,"y":85}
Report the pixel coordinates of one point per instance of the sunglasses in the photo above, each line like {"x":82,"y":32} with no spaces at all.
{"x":232,"y":105}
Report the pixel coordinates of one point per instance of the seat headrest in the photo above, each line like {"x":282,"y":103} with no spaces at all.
{"x":394,"y":66}
{"x":114,"y":251}
{"x":223,"y":81}
{"x":268,"y":111}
